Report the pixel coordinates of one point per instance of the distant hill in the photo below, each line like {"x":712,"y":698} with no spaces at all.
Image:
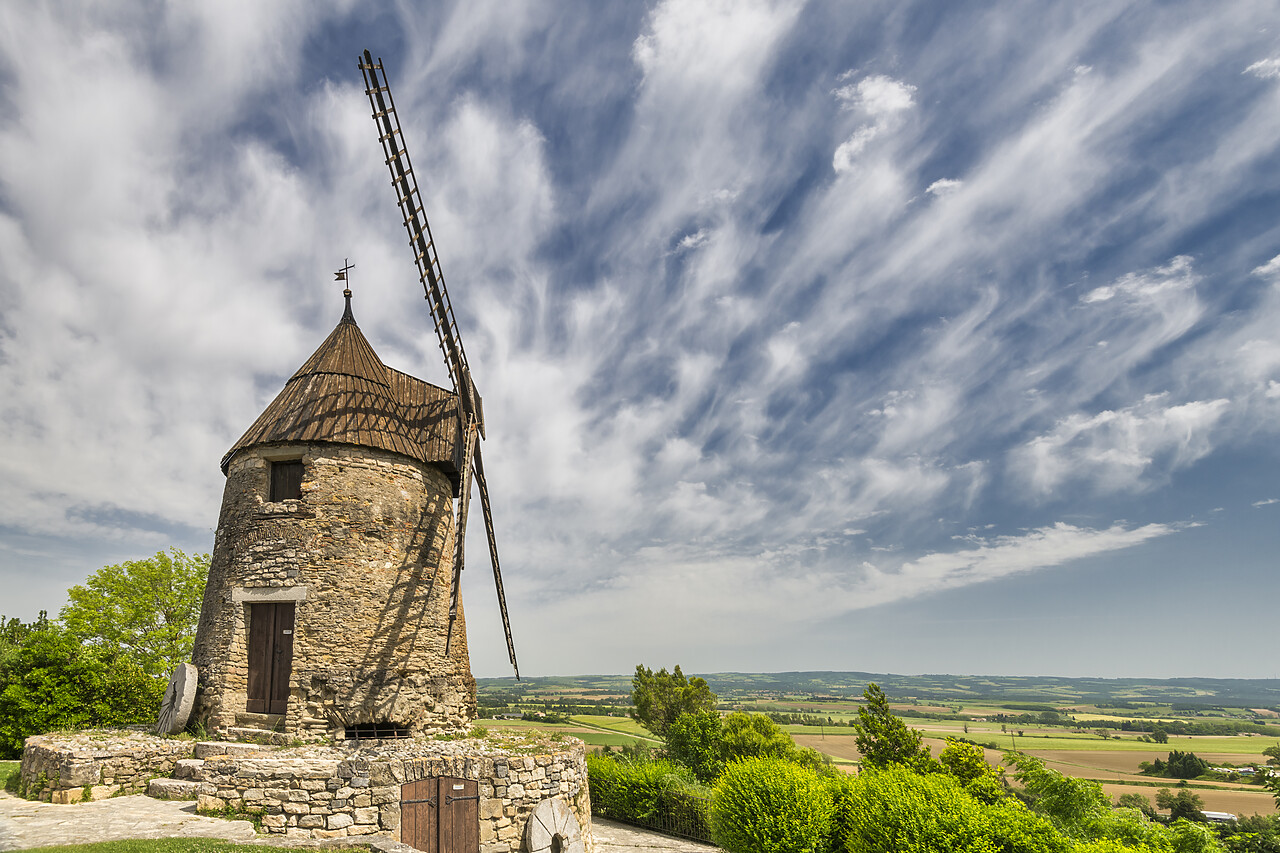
{"x":1208,"y":692}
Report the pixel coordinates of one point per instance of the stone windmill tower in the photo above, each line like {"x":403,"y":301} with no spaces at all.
{"x":327,"y":605}
{"x":332,"y":606}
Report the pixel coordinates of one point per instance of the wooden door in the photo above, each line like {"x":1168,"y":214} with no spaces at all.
{"x":419,"y":812}
{"x":270,"y":657}
{"x":459,"y":815}
{"x":441,"y":815}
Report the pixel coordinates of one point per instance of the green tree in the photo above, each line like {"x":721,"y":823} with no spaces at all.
{"x":1184,"y":804}
{"x":1185,"y":765}
{"x":657,"y":699}
{"x":1159,"y":734}
{"x":1273,"y":755}
{"x":883,"y":739}
{"x":896,"y":810}
{"x":1136,"y":801}
{"x":146,"y":608}
{"x":967,"y":763}
{"x":1074,"y":805}
{"x":753,"y":736}
{"x":695,"y":741}
{"x":52,"y":682}
{"x":1273,"y":785}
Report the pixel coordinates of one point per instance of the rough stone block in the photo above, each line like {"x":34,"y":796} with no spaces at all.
{"x":366,"y":815}
{"x":340,"y":821}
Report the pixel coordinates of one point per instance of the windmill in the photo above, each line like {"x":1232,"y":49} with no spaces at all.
{"x":432,"y":279}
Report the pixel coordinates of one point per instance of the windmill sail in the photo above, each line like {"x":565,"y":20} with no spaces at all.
{"x":432,"y":278}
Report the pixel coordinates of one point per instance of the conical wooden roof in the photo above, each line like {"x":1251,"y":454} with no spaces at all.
{"x":344,"y":394}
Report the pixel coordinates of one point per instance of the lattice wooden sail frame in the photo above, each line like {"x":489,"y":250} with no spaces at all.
{"x":431,"y":276}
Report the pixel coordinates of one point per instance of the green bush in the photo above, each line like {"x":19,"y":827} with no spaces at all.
{"x":769,"y":805}
{"x":649,"y":793}
{"x":895,"y":810}
{"x":53,"y":683}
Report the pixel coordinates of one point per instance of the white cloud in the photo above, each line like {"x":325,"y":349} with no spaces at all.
{"x":1269,"y":269}
{"x":1267,"y":69}
{"x":1001,"y":557}
{"x":944,"y":186}
{"x":1116,"y":450}
{"x":881,"y":99}
{"x":1266,"y":502}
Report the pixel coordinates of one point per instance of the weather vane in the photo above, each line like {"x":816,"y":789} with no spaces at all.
{"x":341,"y":275}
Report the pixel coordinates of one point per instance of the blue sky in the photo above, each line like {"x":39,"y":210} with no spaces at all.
{"x":911,"y":337}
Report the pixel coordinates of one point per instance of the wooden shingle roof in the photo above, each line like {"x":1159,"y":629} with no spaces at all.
{"x":344,"y":394}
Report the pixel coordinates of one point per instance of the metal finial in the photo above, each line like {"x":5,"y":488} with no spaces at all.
{"x":341,"y":275}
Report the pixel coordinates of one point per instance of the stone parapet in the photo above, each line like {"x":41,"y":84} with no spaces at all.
{"x":92,"y":765}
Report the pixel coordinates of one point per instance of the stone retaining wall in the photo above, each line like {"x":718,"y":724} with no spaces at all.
{"x":328,"y":795}
{"x":96,"y":764}
{"x":324,"y":791}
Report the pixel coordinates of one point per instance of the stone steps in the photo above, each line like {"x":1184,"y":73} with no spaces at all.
{"x":211,"y":748}
{"x":259,"y":736}
{"x":270,"y":722}
{"x":172,"y":789}
{"x":188,"y":768}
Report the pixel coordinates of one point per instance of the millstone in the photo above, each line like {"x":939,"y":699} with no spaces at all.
{"x":179,"y":697}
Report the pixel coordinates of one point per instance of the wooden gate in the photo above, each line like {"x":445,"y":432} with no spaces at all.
{"x":441,"y":815}
{"x":270,"y":657}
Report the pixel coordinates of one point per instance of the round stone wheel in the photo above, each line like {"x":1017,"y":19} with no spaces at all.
{"x":179,"y":697}
{"x":553,"y":828}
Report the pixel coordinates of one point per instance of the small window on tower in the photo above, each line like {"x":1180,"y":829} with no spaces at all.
{"x":286,"y":481}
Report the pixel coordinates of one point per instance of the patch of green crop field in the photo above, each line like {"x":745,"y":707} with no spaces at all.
{"x":625,"y":725}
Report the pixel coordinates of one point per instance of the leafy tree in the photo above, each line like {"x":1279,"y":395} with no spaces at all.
{"x":146,"y":608}
{"x":1136,"y":801}
{"x":1273,"y":755}
{"x":1185,"y":765}
{"x":883,"y":739}
{"x":1184,"y":804}
{"x":1073,"y":805}
{"x":52,"y":682}
{"x":695,"y":741}
{"x":967,"y":763}
{"x":657,"y":699}
{"x":754,"y":736}
{"x":1159,"y":734}
{"x":895,"y":810}
{"x":1273,"y":785}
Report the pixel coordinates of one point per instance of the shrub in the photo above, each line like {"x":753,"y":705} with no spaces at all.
{"x":52,"y":682}
{"x":649,"y":793}
{"x":895,"y":810}
{"x":769,"y":805}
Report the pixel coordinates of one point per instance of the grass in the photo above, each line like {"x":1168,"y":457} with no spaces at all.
{"x":9,"y":775}
{"x":165,"y":845}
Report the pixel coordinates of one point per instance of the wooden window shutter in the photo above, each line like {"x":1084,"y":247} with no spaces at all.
{"x":286,"y":481}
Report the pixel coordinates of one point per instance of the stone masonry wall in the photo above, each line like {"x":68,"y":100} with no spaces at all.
{"x":366,"y":555}
{"x":324,"y":793}
{"x":96,"y":764}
